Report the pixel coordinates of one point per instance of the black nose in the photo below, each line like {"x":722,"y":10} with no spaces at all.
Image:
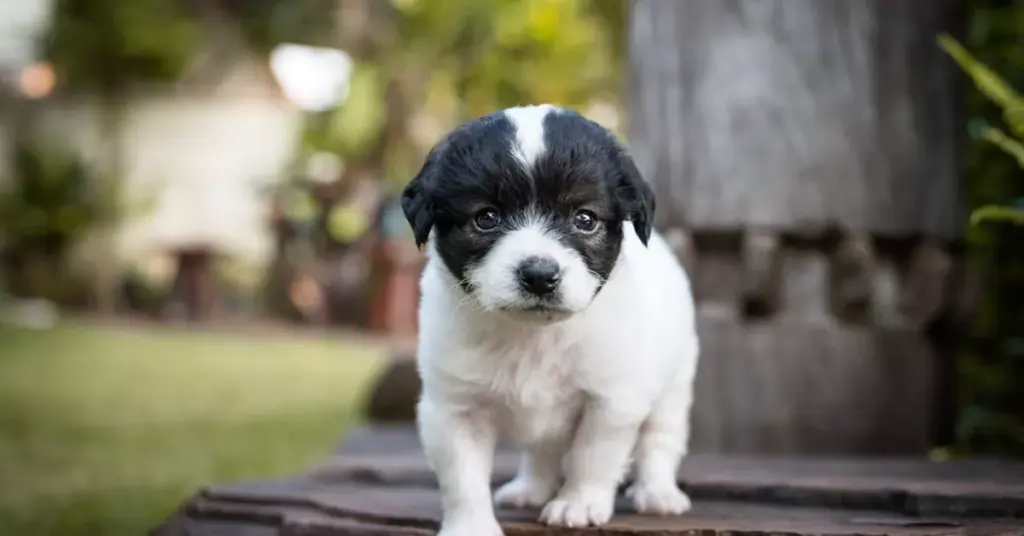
{"x":539,"y":276}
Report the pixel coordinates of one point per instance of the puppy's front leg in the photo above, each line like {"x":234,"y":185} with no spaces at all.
{"x":459,"y":444}
{"x":596,"y":464}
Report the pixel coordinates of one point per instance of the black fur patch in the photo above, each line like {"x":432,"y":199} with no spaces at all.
{"x":582,"y":167}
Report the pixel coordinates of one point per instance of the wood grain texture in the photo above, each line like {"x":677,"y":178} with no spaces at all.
{"x":798,"y":113}
{"x":795,"y":387}
{"x":809,"y":150}
{"x":379,"y":484}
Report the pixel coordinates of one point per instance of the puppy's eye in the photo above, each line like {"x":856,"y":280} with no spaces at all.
{"x":487,"y":219}
{"x":585,"y":221}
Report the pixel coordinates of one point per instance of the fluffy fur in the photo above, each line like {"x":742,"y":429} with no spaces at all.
{"x":553,"y":315}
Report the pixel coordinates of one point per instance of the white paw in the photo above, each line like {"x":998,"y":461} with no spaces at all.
{"x":523,"y":493}
{"x":579,"y":508}
{"x":471,"y":527}
{"x":665,"y":499}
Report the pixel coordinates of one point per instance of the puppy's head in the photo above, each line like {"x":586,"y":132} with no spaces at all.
{"x":526,"y":207}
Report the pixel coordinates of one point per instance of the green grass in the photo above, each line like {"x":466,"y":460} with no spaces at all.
{"x":105,"y":432}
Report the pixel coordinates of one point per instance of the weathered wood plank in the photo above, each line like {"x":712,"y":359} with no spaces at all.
{"x":913,"y":486}
{"x":416,"y":512}
{"x":378,"y":484}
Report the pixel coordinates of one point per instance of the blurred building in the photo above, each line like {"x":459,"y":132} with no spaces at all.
{"x":193,"y":155}
{"x":198,"y":150}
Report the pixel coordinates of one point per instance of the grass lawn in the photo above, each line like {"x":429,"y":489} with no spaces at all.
{"x":105,"y":432}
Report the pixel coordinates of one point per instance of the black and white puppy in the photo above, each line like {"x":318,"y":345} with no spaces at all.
{"x":551,"y":314}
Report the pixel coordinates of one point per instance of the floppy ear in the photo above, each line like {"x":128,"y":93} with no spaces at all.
{"x":417,"y":199}
{"x":636,"y":197}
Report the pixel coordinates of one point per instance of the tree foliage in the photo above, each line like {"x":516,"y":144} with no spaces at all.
{"x":106,"y":45}
{"x":496,"y":53}
{"x":266,"y":23}
{"x":450,"y":60}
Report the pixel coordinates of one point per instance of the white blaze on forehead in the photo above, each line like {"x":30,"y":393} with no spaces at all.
{"x":529,"y":124}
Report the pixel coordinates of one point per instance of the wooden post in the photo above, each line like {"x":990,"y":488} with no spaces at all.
{"x":393,"y":307}
{"x":397,"y":265}
{"x":809,"y":149}
{"x":196,"y":282}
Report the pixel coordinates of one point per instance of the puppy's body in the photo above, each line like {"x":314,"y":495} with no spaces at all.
{"x":580,"y":376}
{"x":532,"y":380}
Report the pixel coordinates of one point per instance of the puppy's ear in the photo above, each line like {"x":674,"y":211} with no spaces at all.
{"x":636,"y":197}
{"x":417,"y":199}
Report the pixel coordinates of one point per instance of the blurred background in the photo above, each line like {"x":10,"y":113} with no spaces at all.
{"x":203,"y":268}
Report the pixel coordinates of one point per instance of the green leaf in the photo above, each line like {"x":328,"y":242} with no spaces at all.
{"x":1013,"y":147}
{"x":990,"y":83}
{"x":1014,"y":117}
{"x":994,"y":87}
{"x":997,"y":213}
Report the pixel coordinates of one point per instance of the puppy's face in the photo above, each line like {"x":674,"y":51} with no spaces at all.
{"x":526,"y":207}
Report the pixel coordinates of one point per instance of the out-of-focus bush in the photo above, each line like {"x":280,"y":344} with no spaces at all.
{"x":50,"y":203}
{"x":992,"y":366}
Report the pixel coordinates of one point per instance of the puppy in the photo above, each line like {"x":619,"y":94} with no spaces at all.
{"x":551,"y":314}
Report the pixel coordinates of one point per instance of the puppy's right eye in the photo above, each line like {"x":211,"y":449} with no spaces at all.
{"x":487,"y":219}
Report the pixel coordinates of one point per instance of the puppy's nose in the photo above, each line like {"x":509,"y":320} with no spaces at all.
{"x":539,"y":276}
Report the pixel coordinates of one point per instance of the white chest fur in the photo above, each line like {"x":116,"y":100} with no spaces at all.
{"x":530,"y":385}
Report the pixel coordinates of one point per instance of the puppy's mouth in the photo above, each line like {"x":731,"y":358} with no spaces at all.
{"x":537,"y":312}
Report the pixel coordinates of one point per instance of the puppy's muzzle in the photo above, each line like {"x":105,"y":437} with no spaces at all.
{"x":539,"y":276}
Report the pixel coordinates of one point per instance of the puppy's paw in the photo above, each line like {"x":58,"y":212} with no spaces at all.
{"x":471,"y":526}
{"x":664,"y":499}
{"x":524,"y":493}
{"x":579,"y":508}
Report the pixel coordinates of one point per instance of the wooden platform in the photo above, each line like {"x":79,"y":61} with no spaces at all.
{"x":378,"y":484}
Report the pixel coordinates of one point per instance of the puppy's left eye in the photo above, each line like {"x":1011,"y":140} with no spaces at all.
{"x":487,"y":220}
{"x":585,"y":221}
